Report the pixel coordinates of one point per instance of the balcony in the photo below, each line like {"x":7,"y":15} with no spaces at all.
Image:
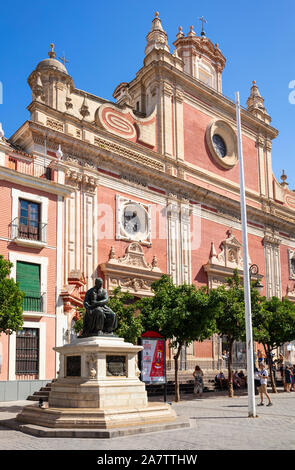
{"x":28,"y":232}
{"x":30,"y":167}
{"x":34,"y":302}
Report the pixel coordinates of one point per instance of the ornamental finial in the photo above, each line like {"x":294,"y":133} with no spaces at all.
{"x":51,"y":53}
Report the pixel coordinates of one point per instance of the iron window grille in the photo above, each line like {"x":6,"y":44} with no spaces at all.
{"x":27,"y":351}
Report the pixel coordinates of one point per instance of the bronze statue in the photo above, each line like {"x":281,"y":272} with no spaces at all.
{"x":99,"y":318}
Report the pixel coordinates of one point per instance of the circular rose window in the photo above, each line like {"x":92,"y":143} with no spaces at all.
{"x":222,"y":143}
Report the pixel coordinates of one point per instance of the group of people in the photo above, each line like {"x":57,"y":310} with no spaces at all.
{"x":239,"y":380}
{"x":288,"y":377}
{"x":260,"y":378}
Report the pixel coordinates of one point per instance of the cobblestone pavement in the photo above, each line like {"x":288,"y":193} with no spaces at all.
{"x":217,"y":423}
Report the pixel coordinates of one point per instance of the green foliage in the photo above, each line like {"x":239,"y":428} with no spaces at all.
{"x":11,"y":299}
{"x":181,"y":314}
{"x":78,"y":326}
{"x":230,"y":318}
{"x":129,"y":317}
{"x":274,"y":323}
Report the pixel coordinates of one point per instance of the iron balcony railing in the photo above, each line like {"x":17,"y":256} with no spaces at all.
{"x":34,"y":301}
{"x":25,"y":228}
{"x":31,"y":168}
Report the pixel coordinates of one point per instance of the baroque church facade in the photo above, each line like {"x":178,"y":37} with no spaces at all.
{"x":134,"y":188}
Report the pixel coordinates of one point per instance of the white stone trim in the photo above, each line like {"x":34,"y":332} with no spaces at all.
{"x":173,"y":245}
{"x":42,"y":350}
{"x":16,"y":195}
{"x":60,"y":317}
{"x":121,"y":234}
{"x":272,"y":270}
{"x":29,"y":258}
{"x":141,"y":193}
{"x":32,"y":181}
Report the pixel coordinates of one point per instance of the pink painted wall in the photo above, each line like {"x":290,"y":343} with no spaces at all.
{"x":197,"y":152}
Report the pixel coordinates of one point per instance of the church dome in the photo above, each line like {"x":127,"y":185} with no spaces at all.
{"x":52,"y":62}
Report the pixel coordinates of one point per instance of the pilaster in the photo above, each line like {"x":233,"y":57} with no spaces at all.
{"x":261,"y":165}
{"x":272,"y":265}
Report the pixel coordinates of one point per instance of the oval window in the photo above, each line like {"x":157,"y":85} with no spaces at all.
{"x":219,"y":145}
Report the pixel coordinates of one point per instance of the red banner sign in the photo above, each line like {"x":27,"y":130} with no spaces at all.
{"x":153,"y":360}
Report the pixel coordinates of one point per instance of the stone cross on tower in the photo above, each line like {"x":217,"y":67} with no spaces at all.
{"x":202,"y":19}
{"x":64,"y":60}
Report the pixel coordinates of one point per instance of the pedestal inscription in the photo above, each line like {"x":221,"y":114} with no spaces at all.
{"x":73,"y":366}
{"x":116,"y":366}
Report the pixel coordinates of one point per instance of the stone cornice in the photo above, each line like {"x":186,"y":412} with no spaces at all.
{"x":34,"y":182}
{"x":151,"y":167}
{"x":198,"y":89}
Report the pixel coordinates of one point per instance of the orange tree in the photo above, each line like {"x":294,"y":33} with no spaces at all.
{"x":11,"y":299}
{"x":274,"y":325}
{"x":230,"y":315}
{"x":181,"y":314}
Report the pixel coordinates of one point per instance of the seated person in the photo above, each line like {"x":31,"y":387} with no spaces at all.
{"x":220,"y":380}
{"x":243,"y":378}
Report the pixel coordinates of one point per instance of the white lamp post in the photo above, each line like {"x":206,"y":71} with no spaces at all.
{"x":247,"y":294}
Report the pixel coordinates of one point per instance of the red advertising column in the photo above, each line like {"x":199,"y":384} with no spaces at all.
{"x":153,"y":359}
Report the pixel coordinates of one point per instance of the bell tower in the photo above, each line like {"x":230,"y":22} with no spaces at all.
{"x":202,"y":60}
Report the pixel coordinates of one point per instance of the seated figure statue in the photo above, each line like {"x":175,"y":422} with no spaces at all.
{"x":99,"y":318}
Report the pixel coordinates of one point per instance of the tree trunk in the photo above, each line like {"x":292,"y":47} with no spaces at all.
{"x":230,"y":370}
{"x":268,"y":354}
{"x":176,"y":357}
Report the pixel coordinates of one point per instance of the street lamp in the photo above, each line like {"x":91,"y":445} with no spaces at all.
{"x":254,"y":271}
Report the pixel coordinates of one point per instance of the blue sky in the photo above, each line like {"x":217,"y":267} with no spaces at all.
{"x":105,"y":40}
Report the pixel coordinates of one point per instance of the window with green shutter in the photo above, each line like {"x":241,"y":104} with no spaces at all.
{"x":28,"y":277}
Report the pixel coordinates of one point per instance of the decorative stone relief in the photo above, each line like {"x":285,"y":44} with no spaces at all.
{"x":133,"y":221}
{"x":291,"y":293}
{"x":272,"y":264}
{"x":91,"y":360}
{"x":221,"y":266}
{"x":130,"y":154}
{"x":291,"y":258}
{"x":131,"y":272}
{"x":124,"y":123}
{"x":55,"y":125}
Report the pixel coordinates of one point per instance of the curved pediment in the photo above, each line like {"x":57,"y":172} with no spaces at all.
{"x":131,"y":272}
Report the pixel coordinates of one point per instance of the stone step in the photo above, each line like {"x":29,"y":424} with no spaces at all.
{"x":36,"y":397}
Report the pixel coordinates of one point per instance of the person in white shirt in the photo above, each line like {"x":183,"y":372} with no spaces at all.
{"x":263,"y":375}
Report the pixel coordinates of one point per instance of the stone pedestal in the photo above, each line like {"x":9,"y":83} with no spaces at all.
{"x":98,"y":387}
